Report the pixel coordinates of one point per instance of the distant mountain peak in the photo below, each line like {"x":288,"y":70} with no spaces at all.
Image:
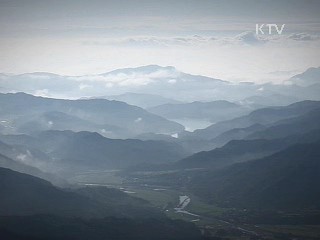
{"x":309,"y":77}
{"x":142,"y":69}
{"x":40,"y":75}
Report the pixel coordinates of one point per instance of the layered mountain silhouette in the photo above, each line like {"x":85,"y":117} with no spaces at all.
{"x":143,"y":100}
{"x":24,"y":113}
{"x":86,"y":150}
{"x":236,"y":134}
{"x":167,"y":82}
{"x":260,"y":156}
{"x":264,"y":116}
{"x":283,"y":128}
{"x":286,"y":180}
{"x":214,"y":111}
{"x":308,"y":78}
{"x":244,"y":150}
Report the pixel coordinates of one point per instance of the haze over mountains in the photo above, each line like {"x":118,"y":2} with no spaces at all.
{"x":263,"y":116}
{"x":239,"y":152}
{"x":68,"y":151}
{"x":142,"y":99}
{"x":214,"y":111}
{"x":25,"y":113}
{"x":167,"y":82}
{"x":159,"y":120}
{"x":191,"y":100}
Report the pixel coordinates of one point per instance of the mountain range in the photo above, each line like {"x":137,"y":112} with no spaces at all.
{"x":23,"y":113}
{"x":143,"y":100}
{"x":254,"y":153}
{"x":286,"y":180}
{"x":215,"y":111}
{"x":244,"y":150}
{"x":167,"y":82}
{"x":264,"y":116}
{"x":70,"y":151}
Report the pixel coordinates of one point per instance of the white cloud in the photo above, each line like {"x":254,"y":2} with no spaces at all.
{"x":241,"y":57}
{"x":303,"y":37}
{"x":247,"y":37}
{"x":109,"y":85}
{"x":22,"y":157}
{"x":42,"y":93}
{"x":172,"y":81}
{"x":39,"y":76}
{"x":83,"y":86}
{"x":138,"y":120}
{"x":123,"y":79}
{"x":260,"y":89}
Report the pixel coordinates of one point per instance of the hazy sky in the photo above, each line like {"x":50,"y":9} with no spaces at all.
{"x":213,"y":38}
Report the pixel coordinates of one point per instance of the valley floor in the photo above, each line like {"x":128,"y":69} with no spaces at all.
{"x":213,"y":221}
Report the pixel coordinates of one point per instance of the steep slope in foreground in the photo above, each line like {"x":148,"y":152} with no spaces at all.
{"x":6,"y":162}
{"x":31,"y":208}
{"x":23,"y":194}
{"x":287,"y":180}
{"x":58,"y":228}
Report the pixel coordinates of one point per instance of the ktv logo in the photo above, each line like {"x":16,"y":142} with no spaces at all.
{"x":269,"y":28}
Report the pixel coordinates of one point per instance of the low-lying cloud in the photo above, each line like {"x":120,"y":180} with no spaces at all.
{"x":247,"y":38}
